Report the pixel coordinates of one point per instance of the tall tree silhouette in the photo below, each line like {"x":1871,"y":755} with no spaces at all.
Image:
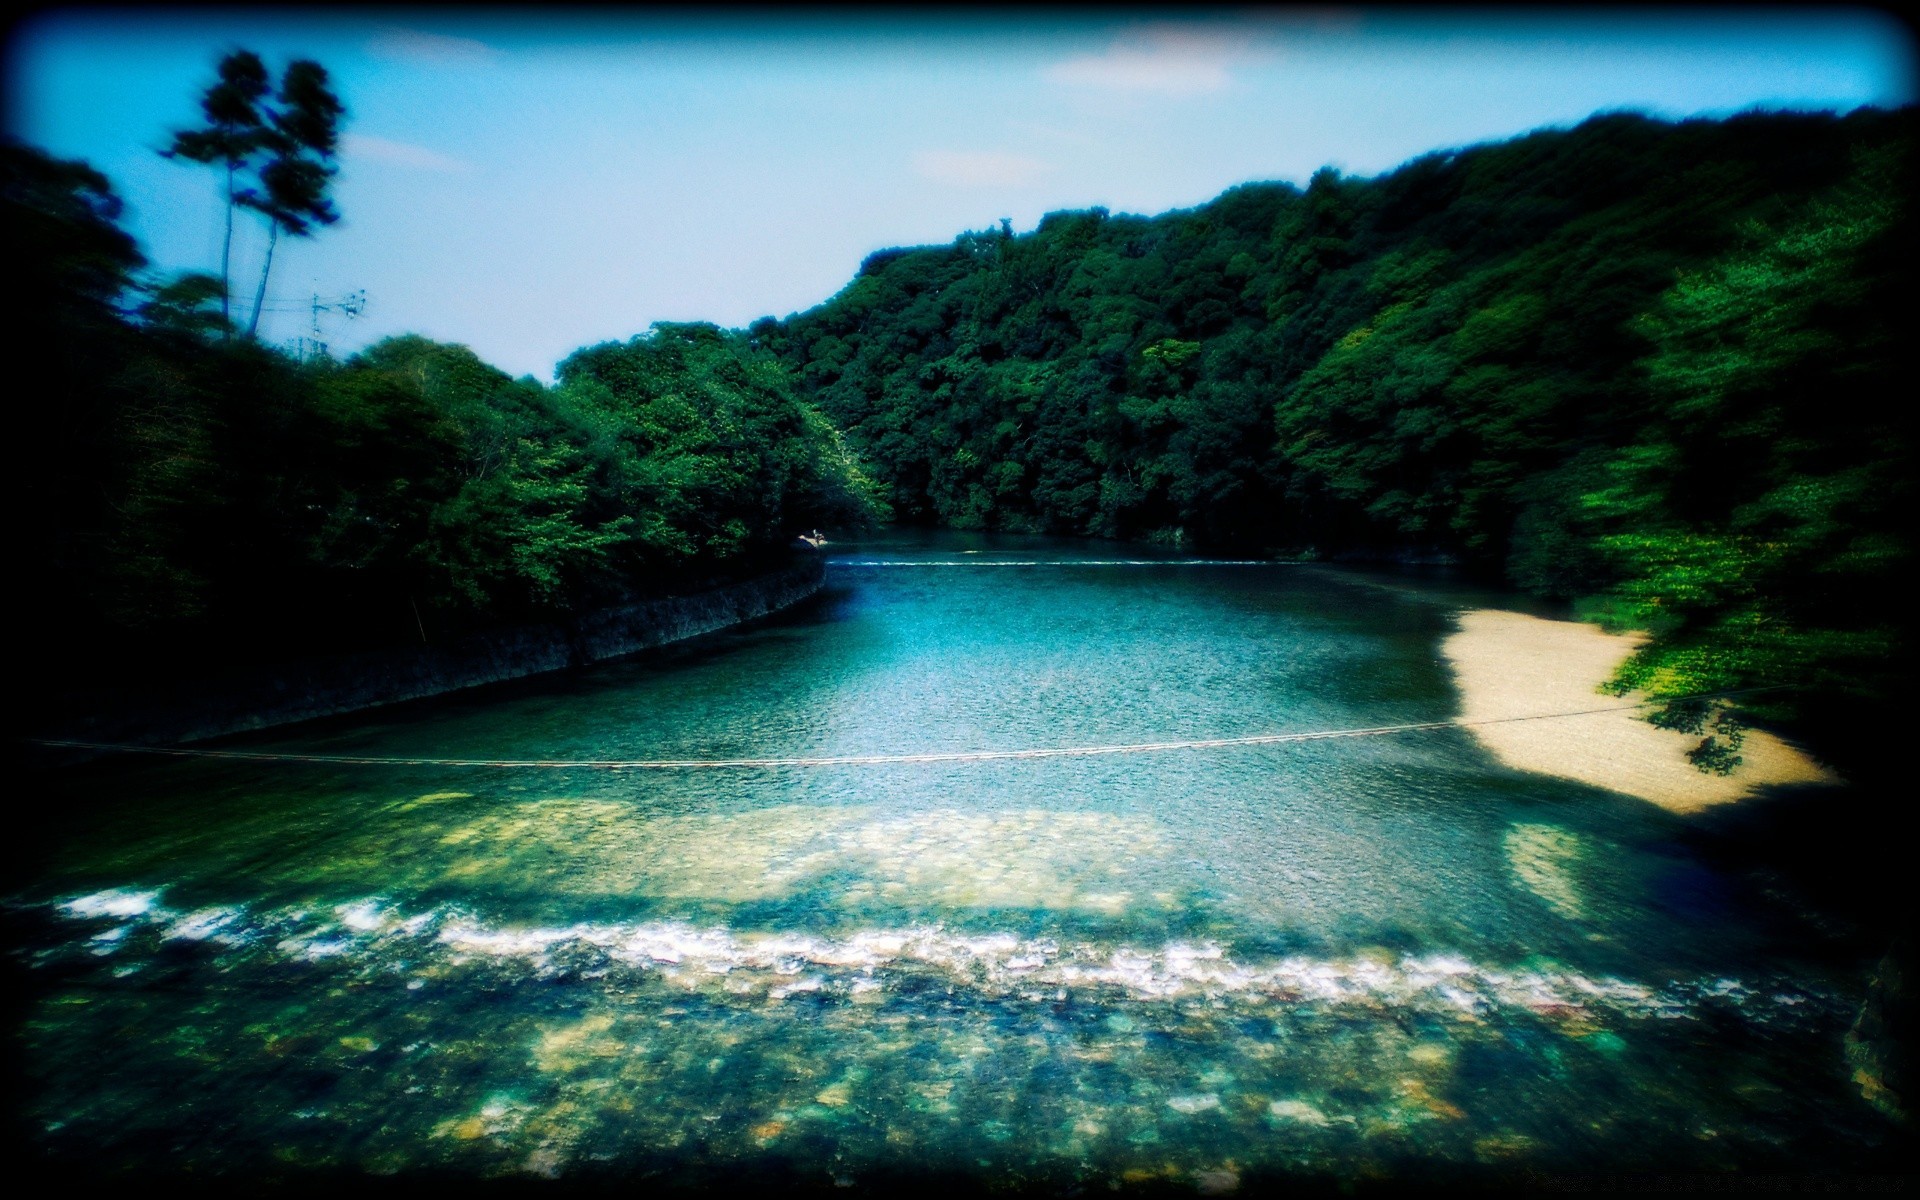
{"x":301,"y":138}
{"x":233,"y":136}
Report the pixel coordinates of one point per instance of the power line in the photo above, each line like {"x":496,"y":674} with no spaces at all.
{"x":350,"y":305}
{"x":305,"y":302}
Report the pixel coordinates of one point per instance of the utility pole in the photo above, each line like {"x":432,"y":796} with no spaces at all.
{"x":350,"y":306}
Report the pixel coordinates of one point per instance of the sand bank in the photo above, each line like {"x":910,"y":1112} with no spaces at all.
{"x":1514,"y":665}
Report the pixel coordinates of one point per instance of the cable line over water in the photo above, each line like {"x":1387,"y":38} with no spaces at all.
{"x":862,"y":760}
{"x":1078,"y":562}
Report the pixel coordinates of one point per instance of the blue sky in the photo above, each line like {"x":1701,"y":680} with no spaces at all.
{"x":527,"y":183}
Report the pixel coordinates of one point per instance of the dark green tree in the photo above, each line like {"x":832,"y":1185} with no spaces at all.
{"x":234,"y":135}
{"x":301,"y":140}
{"x":1640,"y":365}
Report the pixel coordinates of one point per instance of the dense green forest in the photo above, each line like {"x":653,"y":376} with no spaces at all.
{"x":196,"y":496}
{"x":1647,"y":366}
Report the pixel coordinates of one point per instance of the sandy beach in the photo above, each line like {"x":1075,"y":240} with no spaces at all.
{"x":1513,"y":665}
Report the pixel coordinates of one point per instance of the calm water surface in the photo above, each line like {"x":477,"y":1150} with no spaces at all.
{"x":1359,"y":957}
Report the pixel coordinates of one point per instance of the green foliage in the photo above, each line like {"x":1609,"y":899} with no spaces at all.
{"x":1760,"y":519}
{"x":228,"y":500}
{"x":1644,"y":366}
{"x":300,"y":138}
{"x":1648,"y":368}
{"x":276,"y":149}
{"x":234,"y":135}
{"x":190,"y":306}
{"x":64,"y":244}
{"x":711,"y":443}
{"x":75,"y":267}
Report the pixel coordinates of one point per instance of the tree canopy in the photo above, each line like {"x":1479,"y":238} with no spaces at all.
{"x":1648,"y":368}
{"x":1645,"y":365}
{"x":276,"y":149}
{"x":212,"y":498}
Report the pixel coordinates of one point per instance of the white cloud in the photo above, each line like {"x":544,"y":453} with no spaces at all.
{"x":1172,"y":60}
{"x":400,"y":154}
{"x":433,"y":49}
{"x":979,"y":168}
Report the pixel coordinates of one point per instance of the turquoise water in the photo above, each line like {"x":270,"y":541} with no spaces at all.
{"x":1356,"y":958}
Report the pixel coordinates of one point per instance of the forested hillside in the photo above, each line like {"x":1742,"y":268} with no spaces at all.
{"x":1646,"y":367}
{"x":1649,"y":366}
{"x":195,"y":497}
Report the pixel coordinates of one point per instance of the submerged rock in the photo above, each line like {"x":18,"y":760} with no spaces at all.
{"x":1876,"y":1045}
{"x":1430,"y":1054}
{"x":1298,"y":1111}
{"x":1540,"y":857}
{"x":835,"y":1095}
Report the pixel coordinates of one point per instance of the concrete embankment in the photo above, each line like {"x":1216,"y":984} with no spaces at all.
{"x":302,"y":691}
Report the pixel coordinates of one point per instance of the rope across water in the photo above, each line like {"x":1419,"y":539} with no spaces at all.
{"x":1064,"y":562}
{"x":853,"y":760}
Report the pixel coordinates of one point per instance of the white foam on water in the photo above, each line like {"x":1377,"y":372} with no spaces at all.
{"x":782,"y":965}
{"x":363,"y":916}
{"x":315,"y":949}
{"x":114,"y":902}
{"x":205,"y":924}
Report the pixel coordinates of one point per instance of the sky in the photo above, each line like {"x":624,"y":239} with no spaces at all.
{"x":530,"y":182}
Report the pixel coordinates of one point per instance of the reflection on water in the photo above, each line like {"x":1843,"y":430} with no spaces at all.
{"x":1383,"y":957}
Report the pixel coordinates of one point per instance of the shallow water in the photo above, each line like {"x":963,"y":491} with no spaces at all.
{"x":1349,"y":958}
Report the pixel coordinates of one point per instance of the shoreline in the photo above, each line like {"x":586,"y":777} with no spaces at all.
{"x":1509,"y":664}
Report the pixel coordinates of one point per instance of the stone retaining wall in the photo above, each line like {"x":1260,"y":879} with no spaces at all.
{"x":156,"y":714}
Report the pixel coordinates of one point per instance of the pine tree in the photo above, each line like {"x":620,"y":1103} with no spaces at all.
{"x":233,"y":137}
{"x":302,"y":139}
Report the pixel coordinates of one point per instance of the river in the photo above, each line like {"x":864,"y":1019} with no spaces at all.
{"x":1354,"y":958}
